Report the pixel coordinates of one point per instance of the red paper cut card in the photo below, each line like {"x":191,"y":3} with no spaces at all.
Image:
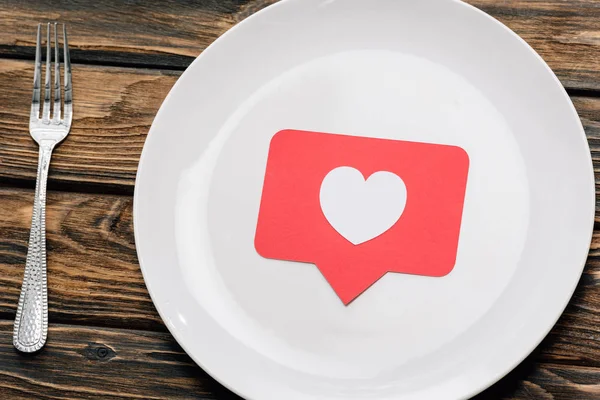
{"x":360,"y":207}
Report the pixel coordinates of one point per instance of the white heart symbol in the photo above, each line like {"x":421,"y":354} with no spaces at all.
{"x":361,"y":210}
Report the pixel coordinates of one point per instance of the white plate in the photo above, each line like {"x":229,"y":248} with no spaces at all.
{"x":436,"y":71}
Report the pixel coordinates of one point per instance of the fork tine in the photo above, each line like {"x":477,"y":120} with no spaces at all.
{"x":46,"y":108}
{"x":68,"y":108}
{"x":35,"y":101}
{"x":56,"y":109}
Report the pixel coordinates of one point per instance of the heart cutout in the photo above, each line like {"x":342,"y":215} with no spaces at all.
{"x":358,"y":209}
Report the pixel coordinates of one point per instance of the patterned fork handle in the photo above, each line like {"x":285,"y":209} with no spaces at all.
{"x":31,"y":323}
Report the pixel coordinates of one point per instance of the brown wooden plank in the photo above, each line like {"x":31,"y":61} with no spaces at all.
{"x":541,"y":381}
{"x":566,"y":33}
{"x":100,"y":363}
{"x":93,"y":273}
{"x":170,"y":34}
{"x":85,"y":363}
{"x":113,"y":111}
{"x":575,"y":337}
{"x":155,"y":33}
{"x":94,"y":276}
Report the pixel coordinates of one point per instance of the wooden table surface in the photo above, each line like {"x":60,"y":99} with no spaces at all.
{"x":106,"y":339}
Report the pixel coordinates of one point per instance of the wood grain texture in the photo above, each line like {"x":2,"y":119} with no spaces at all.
{"x":94,"y":276}
{"x":140,"y":27}
{"x":82,"y":362}
{"x":566,"y":33}
{"x":93,"y":273}
{"x":540,"y":381}
{"x":165,"y":33}
{"x":113,"y":110}
{"x":170,"y":34}
{"x":96,"y":363}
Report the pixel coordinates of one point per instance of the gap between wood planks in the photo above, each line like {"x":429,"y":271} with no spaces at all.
{"x":165,"y":62}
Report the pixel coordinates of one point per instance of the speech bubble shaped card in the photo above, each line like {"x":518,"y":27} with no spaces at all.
{"x":359,"y":207}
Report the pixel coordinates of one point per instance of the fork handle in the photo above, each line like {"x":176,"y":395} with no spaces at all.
{"x":31,"y":322}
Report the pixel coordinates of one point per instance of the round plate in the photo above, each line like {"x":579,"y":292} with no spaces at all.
{"x":427,"y":71}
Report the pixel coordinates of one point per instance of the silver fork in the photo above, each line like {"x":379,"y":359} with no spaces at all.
{"x":31,"y":322}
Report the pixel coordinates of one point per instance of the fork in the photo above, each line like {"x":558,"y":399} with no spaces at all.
{"x":31,"y":322}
